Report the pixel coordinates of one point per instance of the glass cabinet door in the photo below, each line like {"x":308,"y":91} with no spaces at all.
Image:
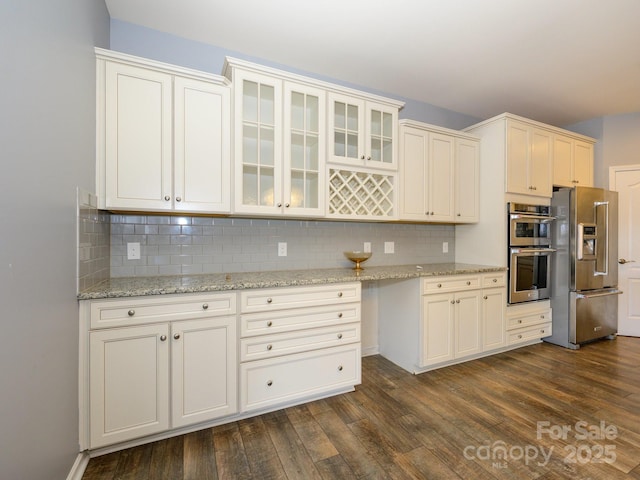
{"x":304,"y":150}
{"x":346,"y":130}
{"x":258,"y":166}
{"x":381,"y":136}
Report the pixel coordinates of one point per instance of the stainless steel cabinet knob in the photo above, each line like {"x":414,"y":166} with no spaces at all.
{"x":439,"y":285}
{"x":279,"y":204}
{"x":286,"y":205}
{"x":176,"y":336}
{"x":163,"y":338}
{"x":178,"y":199}
{"x":167,"y":198}
{"x":458,"y":301}
{"x":269,"y":383}
{"x":340,"y":294}
{"x":269,"y":347}
{"x":340,"y":368}
{"x":339,"y":336}
{"x":131,"y":313}
{"x":468,"y":282}
{"x":361,"y":157}
{"x":269,"y":323}
{"x":269,"y":300}
{"x":340,"y":315}
{"x":485,"y":297}
{"x":453,"y":302}
{"x":495,"y":280}
{"x":205,"y":306}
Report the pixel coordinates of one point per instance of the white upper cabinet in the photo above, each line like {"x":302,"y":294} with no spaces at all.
{"x":162,"y":137}
{"x":572,"y":162}
{"x":438,"y":174}
{"x":362,"y":133}
{"x":280,"y":142}
{"x":529,"y":159}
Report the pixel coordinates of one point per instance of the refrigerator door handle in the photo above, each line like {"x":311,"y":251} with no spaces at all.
{"x":595,"y":295}
{"x":580,"y":241}
{"x":603,"y":253}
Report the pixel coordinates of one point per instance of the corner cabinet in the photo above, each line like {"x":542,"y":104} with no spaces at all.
{"x":154,"y":364}
{"x":432,"y":322}
{"x":439,"y":174}
{"x":163,"y":137}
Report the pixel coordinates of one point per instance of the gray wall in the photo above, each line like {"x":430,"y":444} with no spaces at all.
{"x":149,"y":43}
{"x":618,"y":142}
{"x":47,"y":107}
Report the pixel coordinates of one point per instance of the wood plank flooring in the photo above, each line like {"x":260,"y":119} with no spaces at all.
{"x":477,"y":420}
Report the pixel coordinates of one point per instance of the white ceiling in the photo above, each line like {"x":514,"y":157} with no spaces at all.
{"x":556,"y":61}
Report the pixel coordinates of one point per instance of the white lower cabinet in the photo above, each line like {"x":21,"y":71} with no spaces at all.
{"x":528,"y":322}
{"x":434,"y":322}
{"x":298,"y":343}
{"x":164,"y":371}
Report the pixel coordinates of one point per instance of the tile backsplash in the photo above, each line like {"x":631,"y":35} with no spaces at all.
{"x":94,"y":231}
{"x":173,"y":245}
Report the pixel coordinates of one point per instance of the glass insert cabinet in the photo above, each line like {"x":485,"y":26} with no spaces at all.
{"x":363,"y":133}
{"x":280,"y":150}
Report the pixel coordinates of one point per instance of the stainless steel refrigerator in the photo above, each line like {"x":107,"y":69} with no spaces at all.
{"x":584,"y":272}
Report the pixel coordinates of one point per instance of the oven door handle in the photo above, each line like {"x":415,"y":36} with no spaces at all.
{"x":541,"y":218}
{"x":533,"y":251}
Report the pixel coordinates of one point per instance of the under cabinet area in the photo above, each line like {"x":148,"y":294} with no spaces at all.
{"x":437,"y":321}
{"x":153,"y":364}
{"x":298,"y":342}
{"x":163,"y":137}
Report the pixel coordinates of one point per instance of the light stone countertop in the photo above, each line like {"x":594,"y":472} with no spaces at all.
{"x":162,"y":285}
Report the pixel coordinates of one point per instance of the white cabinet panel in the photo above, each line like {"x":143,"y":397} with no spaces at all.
{"x":129,"y":383}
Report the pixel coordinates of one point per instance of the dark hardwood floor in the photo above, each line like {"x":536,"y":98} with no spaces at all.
{"x":539,"y":412}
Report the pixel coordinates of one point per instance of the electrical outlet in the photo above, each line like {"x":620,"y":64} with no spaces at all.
{"x":445,"y":247}
{"x":367,"y":247}
{"x":282,"y":249}
{"x":389,"y":247}
{"x":133,"y":251}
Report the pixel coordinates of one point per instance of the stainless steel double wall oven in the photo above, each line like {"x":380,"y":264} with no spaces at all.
{"x":530,"y":252}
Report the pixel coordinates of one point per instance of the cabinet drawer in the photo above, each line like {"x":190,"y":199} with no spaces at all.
{"x":531,"y":333}
{"x":264,"y":300}
{"x":531,"y":319}
{"x":498,"y":279}
{"x":297,"y":319}
{"x":267,"y":346}
{"x":142,"y":310}
{"x":450,"y":284}
{"x":264,"y":383}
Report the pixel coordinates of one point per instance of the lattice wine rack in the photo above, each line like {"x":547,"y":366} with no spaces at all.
{"x":363,"y":194}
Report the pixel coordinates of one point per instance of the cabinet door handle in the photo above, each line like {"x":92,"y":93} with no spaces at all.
{"x":167,"y":198}
{"x":286,"y":205}
{"x":542,"y":317}
{"x":439,"y":285}
{"x":519,"y":321}
{"x":163,"y":338}
{"x":339,"y":336}
{"x":495,"y":280}
{"x":458,"y":301}
{"x":269,"y":347}
{"x":269,"y":323}
{"x":468,"y":282}
{"x":459,"y":214}
{"x":269,"y":383}
{"x":485,"y":297}
{"x":340,"y":315}
{"x":453,"y":302}
{"x":340,"y":294}
{"x":269,"y":300}
{"x":361,"y":157}
{"x":368,"y":158}
{"x":519,"y":336}
{"x":205,"y":306}
{"x":178,"y":199}
{"x":176,"y":336}
{"x":131,"y":313}
{"x":340,"y":368}
{"x":279,"y":204}
{"x":542,"y":331}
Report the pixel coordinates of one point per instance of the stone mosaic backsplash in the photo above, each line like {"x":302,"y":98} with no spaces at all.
{"x":176,"y":245}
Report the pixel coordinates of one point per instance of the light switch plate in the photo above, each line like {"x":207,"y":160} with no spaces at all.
{"x":389,"y":247}
{"x":282,"y":249}
{"x":445,"y":247}
{"x":367,"y":247}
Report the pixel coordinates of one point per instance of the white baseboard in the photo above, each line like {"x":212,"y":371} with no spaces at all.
{"x":79,"y":466}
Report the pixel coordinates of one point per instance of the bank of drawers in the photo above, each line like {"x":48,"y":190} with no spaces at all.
{"x":528,"y":322}
{"x":290,"y":350}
